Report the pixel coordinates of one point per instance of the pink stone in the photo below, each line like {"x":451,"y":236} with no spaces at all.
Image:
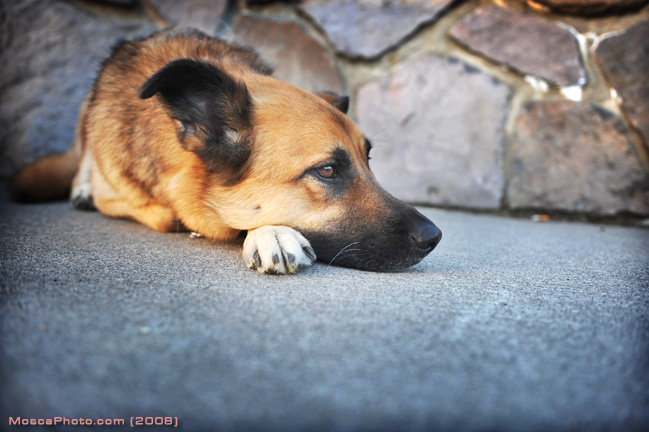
{"x":296,"y":57}
{"x":528,"y":44}
{"x":575,"y":157}
{"x":368,"y":28}
{"x":437,"y":125}
{"x":624,"y":59}
{"x":204,"y":15}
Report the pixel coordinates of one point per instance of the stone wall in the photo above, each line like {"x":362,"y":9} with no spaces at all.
{"x":497,"y":105}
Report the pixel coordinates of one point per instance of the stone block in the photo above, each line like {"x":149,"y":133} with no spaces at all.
{"x":204,"y":15}
{"x":530,"y":45}
{"x":624,"y":58}
{"x":368,"y":28}
{"x":263,"y":2}
{"x":437,"y":125}
{"x":575,"y":157}
{"x":295,"y":56}
{"x":50,"y":57}
{"x":592,"y":7}
{"x":121,"y":3}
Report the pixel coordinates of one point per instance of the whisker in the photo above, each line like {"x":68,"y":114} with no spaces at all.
{"x":376,"y":133}
{"x":380,"y":142}
{"x":343,"y":250}
{"x":349,"y":253}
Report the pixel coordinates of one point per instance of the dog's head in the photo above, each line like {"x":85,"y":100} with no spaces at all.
{"x":276,"y":155}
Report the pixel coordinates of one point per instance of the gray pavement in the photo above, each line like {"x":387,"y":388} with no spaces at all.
{"x":508,"y":325}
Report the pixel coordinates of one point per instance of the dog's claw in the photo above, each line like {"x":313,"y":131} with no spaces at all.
{"x":277,"y":250}
{"x":257,"y":261}
{"x":308,"y":250}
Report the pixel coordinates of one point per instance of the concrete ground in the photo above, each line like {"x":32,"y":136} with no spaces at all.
{"x":509,"y":325}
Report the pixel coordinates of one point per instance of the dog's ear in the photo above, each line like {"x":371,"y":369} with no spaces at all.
{"x":338,"y":101}
{"x":214,"y":111}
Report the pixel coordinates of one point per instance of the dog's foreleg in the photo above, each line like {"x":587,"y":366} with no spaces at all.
{"x":81,"y":192}
{"x":132,"y":204}
{"x":81,"y":195}
{"x":277,"y":250}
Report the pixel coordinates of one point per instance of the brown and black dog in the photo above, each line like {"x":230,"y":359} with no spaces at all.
{"x":183,"y":130}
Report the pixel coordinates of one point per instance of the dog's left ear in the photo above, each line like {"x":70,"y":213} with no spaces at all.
{"x":338,"y":101}
{"x":213,"y":108}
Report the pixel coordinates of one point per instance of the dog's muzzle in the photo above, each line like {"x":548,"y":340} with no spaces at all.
{"x":399,"y":239}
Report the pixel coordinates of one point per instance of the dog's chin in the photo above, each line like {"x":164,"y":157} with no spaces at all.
{"x":377,"y":263}
{"x":366,"y":254}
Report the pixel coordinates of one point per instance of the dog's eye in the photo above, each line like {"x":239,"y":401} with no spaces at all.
{"x":326,"y":172}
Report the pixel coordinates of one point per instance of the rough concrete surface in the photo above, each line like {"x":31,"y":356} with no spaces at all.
{"x":508,"y":325}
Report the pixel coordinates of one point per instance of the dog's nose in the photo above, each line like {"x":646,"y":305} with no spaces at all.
{"x":425,"y":235}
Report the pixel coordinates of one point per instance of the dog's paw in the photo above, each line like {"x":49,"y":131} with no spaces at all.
{"x":277,"y":250}
{"x":81,"y":197}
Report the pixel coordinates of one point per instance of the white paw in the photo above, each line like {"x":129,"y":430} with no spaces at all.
{"x":277,"y":250}
{"x":81,"y":197}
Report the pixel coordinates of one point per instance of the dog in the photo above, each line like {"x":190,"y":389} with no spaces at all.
{"x":184,"y":131}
